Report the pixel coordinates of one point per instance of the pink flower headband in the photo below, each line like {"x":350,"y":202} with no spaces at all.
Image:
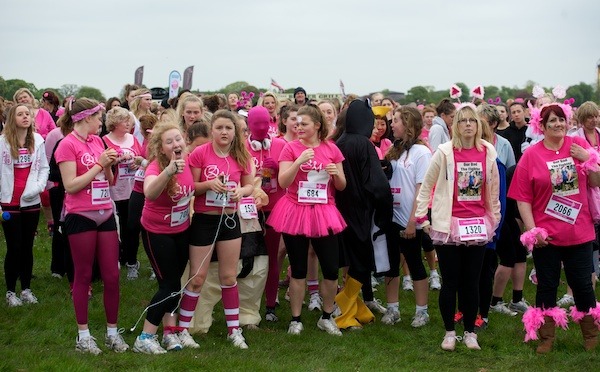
{"x":536,"y":115}
{"x":85,"y":113}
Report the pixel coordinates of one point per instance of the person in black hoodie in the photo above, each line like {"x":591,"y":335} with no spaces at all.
{"x":366,"y":199}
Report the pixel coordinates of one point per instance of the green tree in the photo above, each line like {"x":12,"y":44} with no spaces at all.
{"x":582,"y":92}
{"x":90,"y":92}
{"x":466,"y":93}
{"x":237,"y":87}
{"x":491,"y":92}
{"x":67,"y":90}
{"x":12,"y":85}
{"x":417,"y":94}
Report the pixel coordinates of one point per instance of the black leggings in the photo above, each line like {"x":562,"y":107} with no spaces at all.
{"x":168,"y":255}
{"x":61,"y":263}
{"x":577,"y":261}
{"x":460,"y":267}
{"x":134,"y":225}
{"x":411,"y":248}
{"x":127,"y":251}
{"x":326,"y":248}
{"x":19,"y":232}
{"x":486,"y":281}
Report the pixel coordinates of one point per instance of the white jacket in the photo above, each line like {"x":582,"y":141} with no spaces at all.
{"x":38,"y":174}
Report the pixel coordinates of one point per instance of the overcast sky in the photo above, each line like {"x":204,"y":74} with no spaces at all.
{"x":370,"y":45}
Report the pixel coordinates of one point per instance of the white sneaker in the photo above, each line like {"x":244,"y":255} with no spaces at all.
{"x":187,"y":340}
{"x":390,"y":317}
{"x":329,"y":326}
{"x":501,"y":308}
{"x":152,"y":276}
{"x":449,"y":342}
{"x":407,"y":284}
{"x":116,"y":343}
{"x":376,"y":305}
{"x":420,"y":319}
{"x":434,"y":282}
{"x":271,"y":317}
{"x":87,"y":345}
{"x":566,"y":301}
{"x":171,"y":342}
{"x":315,"y":302}
{"x":148,"y":346}
{"x":470,"y":340}
{"x":295,"y":328}
{"x":519,"y":307}
{"x":12,"y":300}
{"x":237,"y":339}
{"x":374,"y":281}
{"x":336,"y":311}
{"x":133,"y":271}
{"x":27,"y":297}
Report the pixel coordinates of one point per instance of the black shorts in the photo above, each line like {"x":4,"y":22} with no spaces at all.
{"x":75,"y":223}
{"x":203,"y":231}
{"x":509,"y":248}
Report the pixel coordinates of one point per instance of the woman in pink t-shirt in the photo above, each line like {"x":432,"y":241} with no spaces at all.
{"x":85,"y":168}
{"x":465,"y":213}
{"x":23,"y":176}
{"x":550,"y":186}
{"x":119,"y":123}
{"x":271,"y":103}
{"x":223,"y":173}
{"x":310,"y":168}
{"x":168,"y":187}
{"x":43,"y":121}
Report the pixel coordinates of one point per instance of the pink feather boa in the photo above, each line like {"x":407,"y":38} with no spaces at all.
{"x":577,"y":315}
{"x":529,"y":238}
{"x":534,"y":318}
{"x":591,"y":165}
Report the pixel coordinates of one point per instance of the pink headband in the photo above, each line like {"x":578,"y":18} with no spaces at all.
{"x":145,"y":95}
{"x":85,"y":113}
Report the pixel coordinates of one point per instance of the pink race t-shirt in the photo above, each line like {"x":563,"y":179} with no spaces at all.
{"x":169,"y":214}
{"x":44,"y":123}
{"x":312,"y":174}
{"x":211,"y":166}
{"x":269,"y":176}
{"x":94,"y":196}
{"x":21,"y":170}
{"x":469,"y":188}
{"x":556,"y":189}
{"x":124,"y":175}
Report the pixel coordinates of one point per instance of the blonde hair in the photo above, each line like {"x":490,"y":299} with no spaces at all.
{"x":261,"y":101}
{"x":585,"y":111}
{"x":115,"y":116}
{"x":134,"y":105}
{"x":24,"y":90}
{"x":154,"y":151}
{"x":10,"y":130}
{"x":461,"y":113}
{"x":183,"y":101}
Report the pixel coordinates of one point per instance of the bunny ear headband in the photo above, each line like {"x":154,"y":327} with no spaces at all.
{"x":477,"y":93}
{"x":244,"y":98}
{"x":559,"y":93}
{"x":496,"y":101}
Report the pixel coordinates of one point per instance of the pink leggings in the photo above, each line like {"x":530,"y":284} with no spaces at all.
{"x":85,"y":247}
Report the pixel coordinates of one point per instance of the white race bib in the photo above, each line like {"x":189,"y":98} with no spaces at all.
{"x":248,"y":209}
{"x":396,"y":195}
{"x":312,"y":192}
{"x":100,"y":193}
{"x":472,"y":229}
{"x":562,"y":208}
{"x":24,"y":159}
{"x":214,"y":199}
{"x":180,"y":214}
{"x":140,"y":174}
{"x":125,"y":172}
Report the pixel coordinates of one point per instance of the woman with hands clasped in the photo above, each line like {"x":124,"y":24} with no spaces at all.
{"x":86,"y":170}
{"x":550,"y":186}
{"x":310,"y":168}
{"x":223,"y":173}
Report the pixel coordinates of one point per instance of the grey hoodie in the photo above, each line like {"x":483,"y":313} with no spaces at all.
{"x":438,"y":133}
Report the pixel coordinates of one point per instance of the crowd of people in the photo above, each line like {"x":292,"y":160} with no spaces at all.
{"x":219,"y":190}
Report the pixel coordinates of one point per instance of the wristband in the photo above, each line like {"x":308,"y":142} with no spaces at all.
{"x":97,"y":163}
{"x":144,"y":163}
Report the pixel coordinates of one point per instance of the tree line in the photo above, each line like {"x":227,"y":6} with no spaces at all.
{"x":581,"y":92}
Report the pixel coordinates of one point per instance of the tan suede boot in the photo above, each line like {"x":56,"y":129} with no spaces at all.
{"x":590,"y":332}
{"x":546,"y":331}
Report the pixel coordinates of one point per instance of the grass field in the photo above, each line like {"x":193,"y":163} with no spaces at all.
{"x":42,"y":337}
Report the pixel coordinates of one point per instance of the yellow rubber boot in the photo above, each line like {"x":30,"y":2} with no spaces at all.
{"x":363,"y":314}
{"x":347,"y":302}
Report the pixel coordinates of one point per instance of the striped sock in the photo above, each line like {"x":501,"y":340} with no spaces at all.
{"x":313,"y":286}
{"x":231,"y":306}
{"x":187,"y":307}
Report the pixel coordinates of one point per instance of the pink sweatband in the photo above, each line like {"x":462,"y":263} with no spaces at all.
{"x":421,"y":219}
{"x":145,"y":95}
{"x":591,"y":165}
{"x":529,"y":238}
{"x":85,"y":113}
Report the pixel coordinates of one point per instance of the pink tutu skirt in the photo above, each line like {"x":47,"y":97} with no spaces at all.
{"x":311,"y":220}
{"x":442,"y":238}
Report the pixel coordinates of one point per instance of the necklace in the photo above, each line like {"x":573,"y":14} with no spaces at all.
{"x":86,"y":139}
